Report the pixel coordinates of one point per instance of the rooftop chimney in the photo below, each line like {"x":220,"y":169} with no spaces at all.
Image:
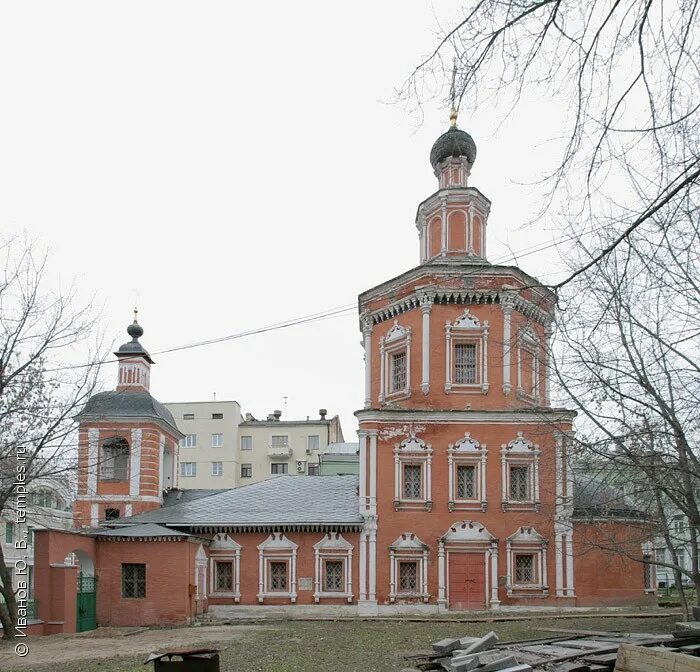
{"x":323,"y":412}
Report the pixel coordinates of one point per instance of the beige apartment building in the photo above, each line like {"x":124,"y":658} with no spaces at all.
{"x":273,"y":446}
{"x":209,"y":451}
{"x":221,"y":449}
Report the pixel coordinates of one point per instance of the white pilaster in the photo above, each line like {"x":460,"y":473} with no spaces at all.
{"x":93,"y":460}
{"x":441,"y":574}
{"x":362,"y":436}
{"x":135,"y":462}
{"x":373,"y":471}
{"x":495,"y":602}
{"x":363,"y":567}
{"x":443,"y":247}
{"x":426,"y":306}
{"x":161,"y":461}
{"x":367,"y":334}
{"x":507,"y":308}
{"x":547,"y":362}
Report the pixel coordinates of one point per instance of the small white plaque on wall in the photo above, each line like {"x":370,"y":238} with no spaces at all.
{"x":306,"y":583}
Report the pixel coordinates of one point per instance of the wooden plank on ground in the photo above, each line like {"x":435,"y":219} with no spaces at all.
{"x":632,"y":658}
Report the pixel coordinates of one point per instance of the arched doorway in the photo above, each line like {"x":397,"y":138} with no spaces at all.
{"x":86,"y":592}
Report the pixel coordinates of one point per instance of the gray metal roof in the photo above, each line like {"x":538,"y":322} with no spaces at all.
{"x":173,"y":497}
{"x":126,"y":405}
{"x":342,"y":449}
{"x":279,"y":502}
{"x":594,"y":498}
{"x":140,"y":531}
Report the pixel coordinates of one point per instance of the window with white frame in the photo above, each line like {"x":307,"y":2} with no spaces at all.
{"x":246,"y":443}
{"x":333,"y":567}
{"x":279,"y":441}
{"x":520,"y":479}
{"x":188,"y":469}
{"x":189,"y":441}
{"x":466,"y":352}
{"x":217,"y":440}
{"x":408,"y":578}
{"x":217,"y":468}
{"x":526,"y":563}
{"x":313,"y":442}
{"x":412,"y":474}
{"x":395,"y":363}
{"x":225,"y":559}
{"x":277,"y":557}
{"x":528,"y":361}
{"x":466,"y":463}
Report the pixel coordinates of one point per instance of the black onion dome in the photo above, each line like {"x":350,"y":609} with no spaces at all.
{"x":454,"y":142}
{"x":133,"y":347}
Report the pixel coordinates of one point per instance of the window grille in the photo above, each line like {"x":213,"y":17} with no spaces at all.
{"x":412,"y":481}
{"x":133,"y":580}
{"x":246,"y":471}
{"x":465,"y":363}
{"x":519,"y":486}
{"x":466,"y":482}
{"x":333,"y":578}
{"x":278,"y":576}
{"x":224,"y":577}
{"x":398,"y":372}
{"x":408,"y":577}
{"x":524,"y":569}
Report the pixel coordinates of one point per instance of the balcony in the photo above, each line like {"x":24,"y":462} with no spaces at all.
{"x":284,"y":451}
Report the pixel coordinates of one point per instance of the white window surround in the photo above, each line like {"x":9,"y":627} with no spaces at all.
{"x":520,"y":453}
{"x":277,"y":548}
{"x":527,"y":541}
{"x":413,"y":451}
{"x":467,"y":329}
{"x":217,"y":440}
{"x":469,"y":536}
{"x":200,"y":573}
{"x":333,"y":547}
{"x":396,"y":340}
{"x":408,"y":548}
{"x":224,"y":549}
{"x":467,"y":452}
{"x":188,"y":469}
{"x":530,"y":344}
{"x":190,"y":441}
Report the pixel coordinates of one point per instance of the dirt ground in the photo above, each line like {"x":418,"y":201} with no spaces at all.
{"x":109,"y":643}
{"x":292,"y":646}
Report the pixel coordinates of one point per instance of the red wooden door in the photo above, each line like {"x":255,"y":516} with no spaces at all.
{"x":467,"y":581}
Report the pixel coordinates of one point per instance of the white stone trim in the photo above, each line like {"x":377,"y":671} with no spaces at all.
{"x":426,"y":307}
{"x":527,"y":541}
{"x":201,"y":569}
{"x":396,"y":340}
{"x":135,"y":462}
{"x":161,"y":460}
{"x":367,"y":343}
{"x":520,"y":452}
{"x":93,"y":460}
{"x":363,"y":469}
{"x":466,"y":452}
{"x":332,"y":547}
{"x":413,"y":451}
{"x":408,"y":548}
{"x":528,"y":342}
{"x":277,"y":548}
{"x":507,"y":309}
{"x":224,"y":549}
{"x":372,"y":433}
{"x":467,"y":329}
{"x":94,"y":514}
{"x":523,"y":416}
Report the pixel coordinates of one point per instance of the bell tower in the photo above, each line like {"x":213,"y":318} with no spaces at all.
{"x":127,"y":443}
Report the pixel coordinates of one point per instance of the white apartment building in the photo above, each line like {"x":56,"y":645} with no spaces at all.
{"x":273,"y":446}
{"x":221,"y":449}
{"x":209,"y":451}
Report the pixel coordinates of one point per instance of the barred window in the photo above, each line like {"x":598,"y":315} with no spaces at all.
{"x":333,"y":576}
{"x":412,"y":481}
{"x":278,"y":576}
{"x":408,"y":577}
{"x":524,"y":568}
{"x":398,"y":372}
{"x":133,"y":580}
{"x":466,"y":484}
{"x":115,"y":459}
{"x":246,"y":471}
{"x":465,"y":363}
{"x":224,"y":577}
{"x":519,"y":483}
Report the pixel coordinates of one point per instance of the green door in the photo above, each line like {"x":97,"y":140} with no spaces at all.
{"x":86,"y":604}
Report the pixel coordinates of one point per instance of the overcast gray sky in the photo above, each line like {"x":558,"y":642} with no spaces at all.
{"x":240,"y":164}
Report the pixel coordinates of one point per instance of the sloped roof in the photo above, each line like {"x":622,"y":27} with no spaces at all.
{"x":284,"y":501}
{"x":342,"y":449}
{"x":141,"y":531}
{"x":127,"y":405}
{"x":594,"y":498}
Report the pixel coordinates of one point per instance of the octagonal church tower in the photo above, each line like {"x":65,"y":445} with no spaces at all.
{"x":463,"y":482}
{"x":127,"y":443}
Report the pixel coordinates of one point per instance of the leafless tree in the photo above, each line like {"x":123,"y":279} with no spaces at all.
{"x":625,"y":74}
{"x":629,"y":360}
{"x":41,"y":335}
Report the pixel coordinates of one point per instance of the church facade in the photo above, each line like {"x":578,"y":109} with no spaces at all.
{"x":464,"y":500}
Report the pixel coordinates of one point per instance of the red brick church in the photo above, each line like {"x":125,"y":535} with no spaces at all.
{"x":464,"y":502}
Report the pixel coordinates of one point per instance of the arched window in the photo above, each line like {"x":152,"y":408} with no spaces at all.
{"x":46,"y":498}
{"x":114,"y":461}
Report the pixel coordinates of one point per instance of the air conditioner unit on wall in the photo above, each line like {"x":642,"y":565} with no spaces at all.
{"x":301,"y":466}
